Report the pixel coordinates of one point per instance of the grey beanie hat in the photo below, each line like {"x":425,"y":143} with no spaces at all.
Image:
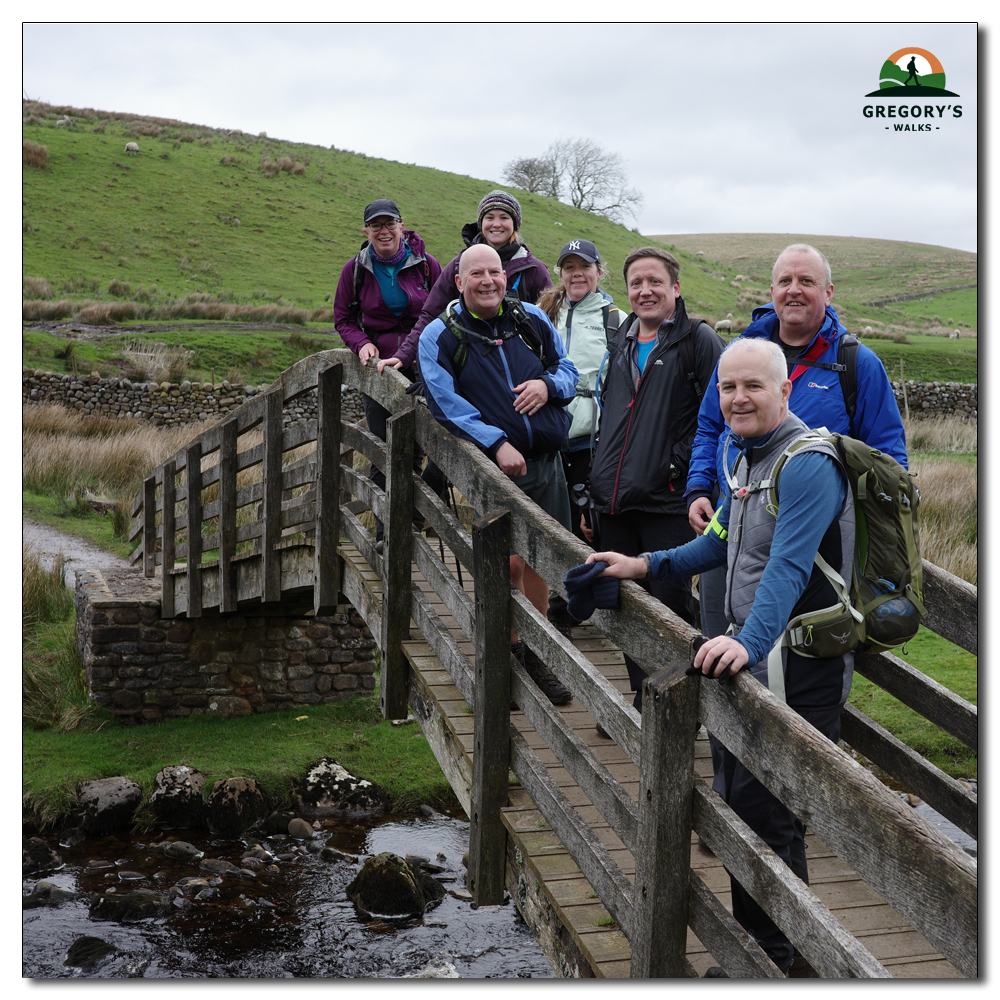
{"x":505,"y":202}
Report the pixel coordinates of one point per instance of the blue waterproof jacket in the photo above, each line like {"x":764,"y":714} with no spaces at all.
{"x":816,"y":399}
{"x":477,"y":402}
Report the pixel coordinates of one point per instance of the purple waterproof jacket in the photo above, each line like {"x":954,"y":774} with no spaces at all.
{"x":531,"y":275}
{"x":377,"y":324}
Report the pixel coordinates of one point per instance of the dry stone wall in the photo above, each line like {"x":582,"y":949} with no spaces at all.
{"x":939,"y":399}
{"x":161,"y":403}
{"x":144,"y":668}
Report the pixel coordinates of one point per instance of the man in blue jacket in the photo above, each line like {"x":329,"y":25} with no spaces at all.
{"x":801,"y":321}
{"x":773,"y":577}
{"x":495,"y":373}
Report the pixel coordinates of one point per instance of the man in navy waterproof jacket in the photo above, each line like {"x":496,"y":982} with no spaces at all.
{"x":505,"y":388}
{"x":772,"y":578}
{"x":801,"y":321}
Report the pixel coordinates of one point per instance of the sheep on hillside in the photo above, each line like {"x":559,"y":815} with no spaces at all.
{"x":868,"y":331}
{"x":699,"y":253}
{"x":725,"y":324}
{"x":65,"y":120}
{"x":131,"y":148}
{"x":954,"y":336}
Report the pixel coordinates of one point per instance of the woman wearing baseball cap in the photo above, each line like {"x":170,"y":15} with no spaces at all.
{"x":496,"y":225}
{"x":585,"y":316}
{"x":379,"y":297}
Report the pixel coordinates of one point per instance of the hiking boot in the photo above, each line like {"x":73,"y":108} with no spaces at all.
{"x":562,"y":627}
{"x":551,"y":686}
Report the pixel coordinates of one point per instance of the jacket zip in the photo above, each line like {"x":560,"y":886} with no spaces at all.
{"x":510,"y":383}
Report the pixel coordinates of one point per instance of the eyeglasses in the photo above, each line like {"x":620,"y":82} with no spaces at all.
{"x":377,"y":227}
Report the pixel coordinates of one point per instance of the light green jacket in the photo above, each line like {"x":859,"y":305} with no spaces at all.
{"x":582,"y":329}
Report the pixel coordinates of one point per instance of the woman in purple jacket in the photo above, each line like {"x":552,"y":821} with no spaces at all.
{"x":496,"y":225}
{"x":379,"y":296}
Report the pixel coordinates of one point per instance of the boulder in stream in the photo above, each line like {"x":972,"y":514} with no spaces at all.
{"x":234,"y":805}
{"x":46,"y":894}
{"x":108,"y":804}
{"x":388,"y":887}
{"x":329,"y":789}
{"x":86,"y":952}
{"x":128,"y":907}
{"x":177,"y":797}
{"x":37,"y":856}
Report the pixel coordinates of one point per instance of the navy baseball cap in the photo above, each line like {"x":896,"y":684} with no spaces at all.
{"x":581,"y":248}
{"x":381,"y":207}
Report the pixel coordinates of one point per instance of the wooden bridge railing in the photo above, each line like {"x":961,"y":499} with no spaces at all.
{"x":925,"y":876}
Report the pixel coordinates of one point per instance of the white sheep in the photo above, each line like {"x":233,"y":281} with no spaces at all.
{"x":131,"y":148}
{"x":741,"y":277}
{"x":558,"y":223}
{"x":868,"y":331}
{"x":954,"y":336}
{"x":699,"y":253}
{"x":65,"y":120}
{"x":725,"y":324}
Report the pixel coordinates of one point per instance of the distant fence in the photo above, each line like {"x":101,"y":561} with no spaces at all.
{"x":915,"y":868}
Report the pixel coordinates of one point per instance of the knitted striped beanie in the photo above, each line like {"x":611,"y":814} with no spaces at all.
{"x":503,"y":201}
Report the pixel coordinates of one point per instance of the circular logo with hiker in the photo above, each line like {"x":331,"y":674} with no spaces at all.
{"x":913,"y":72}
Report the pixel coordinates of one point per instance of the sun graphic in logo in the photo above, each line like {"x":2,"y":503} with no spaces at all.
{"x":914,"y":72}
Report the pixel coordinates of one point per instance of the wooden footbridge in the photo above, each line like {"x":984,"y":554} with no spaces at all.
{"x":613,"y":849}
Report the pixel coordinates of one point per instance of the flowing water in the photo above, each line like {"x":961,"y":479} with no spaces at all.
{"x":296,"y":923}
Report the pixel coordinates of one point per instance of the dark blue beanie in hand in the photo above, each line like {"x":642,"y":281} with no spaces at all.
{"x":586,"y":590}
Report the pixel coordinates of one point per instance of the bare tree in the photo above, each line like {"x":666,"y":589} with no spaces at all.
{"x":583,"y":174}
{"x":536,"y":174}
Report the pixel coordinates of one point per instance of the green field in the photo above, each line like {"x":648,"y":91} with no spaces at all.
{"x":947,"y":309}
{"x":175,"y":217}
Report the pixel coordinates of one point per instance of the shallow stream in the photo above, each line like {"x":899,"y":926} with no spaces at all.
{"x":295,"y":923}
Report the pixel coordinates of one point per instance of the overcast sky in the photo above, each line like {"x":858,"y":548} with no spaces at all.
{"x":746,"y":128}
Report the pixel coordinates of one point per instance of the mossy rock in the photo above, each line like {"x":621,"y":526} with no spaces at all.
{"x":390,"y":888}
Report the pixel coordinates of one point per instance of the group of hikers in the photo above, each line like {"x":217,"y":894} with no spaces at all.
{"x":642,"y":432}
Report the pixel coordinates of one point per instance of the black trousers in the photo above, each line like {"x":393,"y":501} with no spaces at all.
{"x":777,"y":826}
{"x":377,"y":415}
{"x":635,"y":531}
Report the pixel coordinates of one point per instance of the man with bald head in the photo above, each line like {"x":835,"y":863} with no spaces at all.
{"x":496,"y":373}
{"x":773,"y":578}
{"x":836,"y":383}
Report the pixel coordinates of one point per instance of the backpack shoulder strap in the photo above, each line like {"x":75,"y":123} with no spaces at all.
{"x":847,"y":355}
{"x":459,"y":333}
{"x":612,"y":319}
{"x":688,"y":358}
{"x":354,"y":309}
{"x":522,"y":323}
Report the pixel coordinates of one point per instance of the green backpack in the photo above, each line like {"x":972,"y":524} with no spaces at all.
{"x":883,"y":604}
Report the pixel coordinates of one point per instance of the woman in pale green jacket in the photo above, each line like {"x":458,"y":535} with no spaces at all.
{"x":585,"y":316}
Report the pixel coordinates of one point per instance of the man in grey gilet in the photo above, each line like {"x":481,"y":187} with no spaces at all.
{"x":779,"y":564}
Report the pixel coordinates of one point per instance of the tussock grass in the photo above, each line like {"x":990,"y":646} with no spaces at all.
{"x":64,"y":455}
{"x":34,"y":154}
{"x":949,"y":515}
{"x":141,"y":308}
{"x":35,"y":288}
{"x":44,"y":597}
{"x":155,"y":362}
{"x":948,"y":434}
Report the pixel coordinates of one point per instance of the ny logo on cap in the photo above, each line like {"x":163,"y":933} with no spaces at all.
{"x":574,"y":244}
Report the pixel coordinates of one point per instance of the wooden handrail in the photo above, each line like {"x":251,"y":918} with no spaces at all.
{"x":908,"y":862}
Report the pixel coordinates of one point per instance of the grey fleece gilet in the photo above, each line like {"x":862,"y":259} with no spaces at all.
{"x":751,"y":524}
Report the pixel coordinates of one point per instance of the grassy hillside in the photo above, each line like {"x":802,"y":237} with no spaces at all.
{"x":201,"y":216}
{"x":201,"y":211}
{"x":864,"y":271}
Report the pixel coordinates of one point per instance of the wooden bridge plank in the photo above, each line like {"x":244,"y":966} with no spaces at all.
{"x":169,"y":538}
{"x":952,"y":607}
{"x":227,"y":516}
{"x":328,"y":442}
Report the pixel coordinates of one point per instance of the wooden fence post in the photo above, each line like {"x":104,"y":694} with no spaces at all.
{"x":326,"y":584}
{"x":666,"y":797}
{"x":192,"y":460}
{"x":169,"y":540}
{"x":491,"y":756}
{"x":149,"y":526}
{"x":397,"y":560}
{"x":270,"y":533}
{"x":227,"y":517}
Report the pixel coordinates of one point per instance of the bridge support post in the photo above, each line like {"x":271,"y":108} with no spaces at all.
{"x":149,"y":525}
{"x":169,"y":539}
{"x":327,"y":574}
{"x":491,"y":756}
{"x":398,"y":557}
{"x":666,"y":804}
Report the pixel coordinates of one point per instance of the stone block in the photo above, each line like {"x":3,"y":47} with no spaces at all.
{"x":251,"y":655}
{"x":224,"y":657}
{"x":308,"y":698}
{"x":272,"y":671}
{"x":166,"y":683}
{"x":114,"y":634}
{"x":298,"y":672}
{"x":143,"y":660}
{"x":227,"y":645}
{"x":151,"y":648}
{"x":236,"y":621}
{"x":241,"y":678}
{"x":275,"y":654}
{"x":126,"y":616}
{"x":206,"y":634}
{"x":162,"y":698}
{"x":323,"y":683}
{"x":127,"y":673}
{"x":275,"y":687}
{"x":340,"y":655}
{"x":124,"y":648}
{"x":179,"y":634}
{"x":345,"y":682}
{"x":184,"y":669}
{"x":317,"y":656}
{"x":361,"y":667}
{"x":296,"y":658}
{"x":318,"y":631}
{"x":170,"y":657}
{"x":200,"y":652}
{"x":254,"y":635}
{"x":275,"y":634}
{"x":194,"y":700}
{"x":125,"y":699}
{"x":298,"y":645}
{"x":153,"y":635}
